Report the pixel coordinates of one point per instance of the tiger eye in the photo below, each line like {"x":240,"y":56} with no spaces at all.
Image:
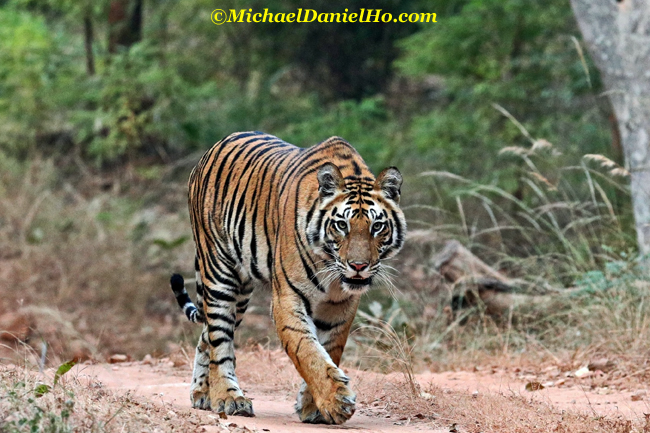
{"x":342,"y":225}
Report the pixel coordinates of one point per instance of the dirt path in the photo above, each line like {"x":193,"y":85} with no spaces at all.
{"x":272,"y":384}
{"x":274,"y":411}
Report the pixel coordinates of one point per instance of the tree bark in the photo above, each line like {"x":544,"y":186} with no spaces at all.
{"x":124,"y":24}
{"x":88,"y":40}
{"x":618,"y":36}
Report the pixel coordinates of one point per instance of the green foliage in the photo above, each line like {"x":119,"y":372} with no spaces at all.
{"x":63,"y":369}
{"x":32,"y":415}
{"x":188,"y":83}
{"x":41,"y":389}
{"x":518,"y":54}
{"x":25,"y":76}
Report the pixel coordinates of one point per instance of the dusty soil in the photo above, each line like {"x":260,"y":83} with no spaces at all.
{"x":385,"y":403}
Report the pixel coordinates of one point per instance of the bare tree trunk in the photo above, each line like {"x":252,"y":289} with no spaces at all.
{"x":124,"y":23}
{"x":618,"y":36}
{"x":88,"y":39}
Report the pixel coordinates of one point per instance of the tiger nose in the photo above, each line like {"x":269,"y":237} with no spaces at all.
{"x":358,"y":266}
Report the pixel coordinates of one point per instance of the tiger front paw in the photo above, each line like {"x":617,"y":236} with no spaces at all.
{"x":335,"y":408}
{"x":339,"y":407}
{"x":200,"y":395}
{"x":306,"y":407}
{"x":241,"y":406}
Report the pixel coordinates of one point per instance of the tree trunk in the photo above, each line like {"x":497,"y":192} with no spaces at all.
{"x":124,"y":24}
{"x":88,"y":39}
{"x":618,"y":36}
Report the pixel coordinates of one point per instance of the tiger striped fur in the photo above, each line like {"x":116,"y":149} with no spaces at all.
{"x":312,"y":225}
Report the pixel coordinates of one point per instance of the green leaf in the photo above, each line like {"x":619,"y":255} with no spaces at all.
{"x":41,"y":390}
{"x":168,"y":245}
{"x":63,"y":369}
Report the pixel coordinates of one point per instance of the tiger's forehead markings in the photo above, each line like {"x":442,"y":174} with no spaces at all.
{"x":377,"y":215}
{"x":359,"y":198}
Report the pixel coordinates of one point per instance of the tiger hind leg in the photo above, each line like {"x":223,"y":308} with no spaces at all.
{"x":221,"y":313}
{"x":200,"y":388}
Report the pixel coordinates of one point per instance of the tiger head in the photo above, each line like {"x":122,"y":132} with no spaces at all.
{"x":357,"y":224}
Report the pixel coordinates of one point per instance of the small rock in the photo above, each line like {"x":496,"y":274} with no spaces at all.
{"x":583,"y":372}
{"x":475,"y":394}
{"x":114,"y":359}
{"x":15,"y":327}
{"x":147,"y":360}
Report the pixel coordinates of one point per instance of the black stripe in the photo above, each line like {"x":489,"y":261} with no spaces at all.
{"x":228,"y":331}
{"x":218,"y":316}
{"x":219,"y":296}
{"x":304,"y":299}
{"x":219,"y":341}
{"x":222,"y":360}
{"x":326,"y":326}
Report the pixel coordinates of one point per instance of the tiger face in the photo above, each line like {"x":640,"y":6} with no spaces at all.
{"x":358,"y":224}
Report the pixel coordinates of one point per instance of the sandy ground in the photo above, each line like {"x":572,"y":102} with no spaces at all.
{"x":581,"y":398}
{"x":272,"y":384}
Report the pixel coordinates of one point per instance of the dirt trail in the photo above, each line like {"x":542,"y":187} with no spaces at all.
{"x":272,"y":386}
{"x":274,"y":411}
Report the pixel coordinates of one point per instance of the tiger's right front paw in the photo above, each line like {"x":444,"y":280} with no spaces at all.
{"x":241,"y":406}
{"x":340,"y":408}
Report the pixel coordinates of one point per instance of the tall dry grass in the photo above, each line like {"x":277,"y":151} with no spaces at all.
{"x":87,"y":254}
{"x":564,"y":232}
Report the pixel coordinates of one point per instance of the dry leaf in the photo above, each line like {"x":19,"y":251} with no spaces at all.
{"x":638,"y":396}
{"x":605,"y":365}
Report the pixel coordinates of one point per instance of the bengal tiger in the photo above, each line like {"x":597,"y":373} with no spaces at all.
{"x":314,"y":226}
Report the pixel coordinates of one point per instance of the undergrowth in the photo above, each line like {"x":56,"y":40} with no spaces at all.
{"x":77,"y":403}
{"x":564,"y":235}
{"x":84,"y":262}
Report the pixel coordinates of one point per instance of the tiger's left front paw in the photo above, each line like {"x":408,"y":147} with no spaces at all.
{"x":336,"y":408}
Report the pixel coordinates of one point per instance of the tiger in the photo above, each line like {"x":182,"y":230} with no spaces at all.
{"x":313,"y":225}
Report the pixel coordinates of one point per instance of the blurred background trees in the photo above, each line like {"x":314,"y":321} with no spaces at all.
{"x":134,"y":83}
{"x":118,"y":79}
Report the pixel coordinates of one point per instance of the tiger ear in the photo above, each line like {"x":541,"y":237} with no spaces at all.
{"x":389,"y":183}
{"x":330,"y":180}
